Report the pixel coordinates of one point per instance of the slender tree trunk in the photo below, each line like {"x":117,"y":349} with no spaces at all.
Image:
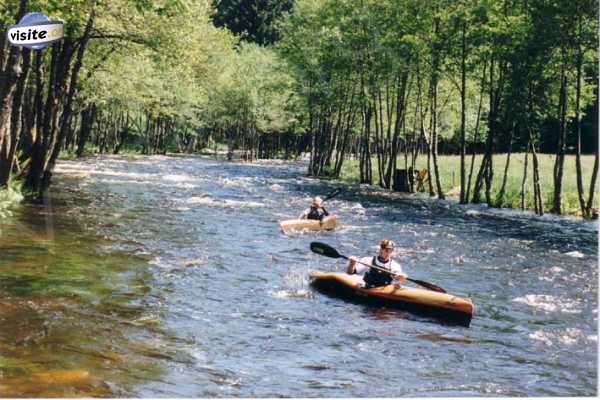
{"x":463,"y":108}
{"x":562,"y":138}
{"x":580,"y":194}
{"x":500,"y":197}
{"x":88,"y":115}
{"x":537,"y":190}
{"x":18,"y":101}
{"x":476,"y":136}
{"x":434,"y":112}
{"x":37,"y":150}
{"x":10,"y":72}
{"x":590,"y":203}
{"x":524,"y":181}
{"x":399,"y":123}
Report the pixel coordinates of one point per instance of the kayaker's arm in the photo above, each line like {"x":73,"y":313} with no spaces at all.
{"x":351,"y":267}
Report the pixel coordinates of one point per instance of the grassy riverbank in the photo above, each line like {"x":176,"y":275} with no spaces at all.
{"x":450,"y":177}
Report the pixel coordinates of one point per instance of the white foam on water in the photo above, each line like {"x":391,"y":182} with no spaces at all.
{"x":128,"y":182}
{"x":575,"y":254}
{"x":178,"y":178}
{"x":351,"y":228}
{"x":286,"y":294}
{"x":209,"y":201}
{"x":194,"y":262}
{"x":550,"y":274}
{"x":241,"y":182}
{"x":550,"y":303}
{"x":356,"y":208}
{"x":121,"y":174}
{"x":158,"y":261}
{"x":155,"y":261}
{"x":570,"y":336}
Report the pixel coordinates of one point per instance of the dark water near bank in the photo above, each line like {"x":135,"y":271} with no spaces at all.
{"x":168,"y":277}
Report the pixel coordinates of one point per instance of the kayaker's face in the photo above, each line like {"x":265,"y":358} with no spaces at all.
{"x":386,"y":253}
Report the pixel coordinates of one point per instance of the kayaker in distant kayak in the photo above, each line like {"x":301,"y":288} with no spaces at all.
{"x":375,"y":277}
{"x":316,"y":210}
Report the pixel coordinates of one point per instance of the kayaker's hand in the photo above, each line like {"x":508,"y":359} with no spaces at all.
{"x":400,"y":277}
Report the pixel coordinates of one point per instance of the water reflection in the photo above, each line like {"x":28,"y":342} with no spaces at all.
{"x":72,"y":316}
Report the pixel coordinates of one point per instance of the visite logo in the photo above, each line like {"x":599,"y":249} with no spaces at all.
{"x":35,"y":31}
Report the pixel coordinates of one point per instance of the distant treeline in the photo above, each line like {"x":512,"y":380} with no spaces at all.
{"x":381,"y":81}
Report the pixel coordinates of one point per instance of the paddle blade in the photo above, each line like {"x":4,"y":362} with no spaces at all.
{"x":427,"y":285}
{"x":332,"y":194}
{"x":324,"y":250}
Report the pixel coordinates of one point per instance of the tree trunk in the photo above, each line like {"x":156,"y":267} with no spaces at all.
{"x":17,"y":117}
{"x":537,"y":191}
{"x":88,"y":115}
{"x":10,"y":72}
{"x":590,"y":203}
{"x":500,"y":197}
{"x":67,"y":110}
{"x":524,"y":181}
{"x":463,"y":108}
{"x":476,"y":136}
{"x":562,"y":138}
{"x":580,"y":194}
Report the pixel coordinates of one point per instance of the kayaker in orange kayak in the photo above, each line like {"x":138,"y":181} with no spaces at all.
{"x":375,"y":277}
{"x":315,"y":211}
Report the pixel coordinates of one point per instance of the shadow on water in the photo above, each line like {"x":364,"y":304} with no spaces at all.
{"x":72,"y":317}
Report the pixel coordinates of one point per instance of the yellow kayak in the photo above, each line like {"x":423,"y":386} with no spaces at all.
{"x":421,"y":301}
{"x":291,"y":225}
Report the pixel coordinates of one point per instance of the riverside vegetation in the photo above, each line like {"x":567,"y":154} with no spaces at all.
{"x":363,"y":87}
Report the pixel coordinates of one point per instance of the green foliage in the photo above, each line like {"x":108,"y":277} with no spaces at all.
{"x":254,"y":20}
{"x":9,"y":197}
{"x":169,"y":61}
{"x":164,"y":66}
{"x":331,"y":44}
{"x":252,"y":92}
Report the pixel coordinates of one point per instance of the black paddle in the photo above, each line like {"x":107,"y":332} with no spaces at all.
{"x":332,"y":194}
{"x":328,"y":251}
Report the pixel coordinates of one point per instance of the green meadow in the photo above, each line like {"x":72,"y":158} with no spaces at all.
{"x":449,"y":166}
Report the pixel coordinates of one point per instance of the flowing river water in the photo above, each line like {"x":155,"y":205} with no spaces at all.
{"x":168,"y":277}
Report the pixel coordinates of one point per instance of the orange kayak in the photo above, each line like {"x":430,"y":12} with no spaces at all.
{"x":444,"y":306}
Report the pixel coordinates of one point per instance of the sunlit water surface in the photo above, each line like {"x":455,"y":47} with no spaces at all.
{"x":168,"y":277}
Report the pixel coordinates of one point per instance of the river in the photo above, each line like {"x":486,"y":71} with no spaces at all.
{"x":167,"y":276}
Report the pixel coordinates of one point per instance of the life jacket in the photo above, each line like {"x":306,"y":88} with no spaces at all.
{"x":317,"y":213}
{"x":376,"y":277}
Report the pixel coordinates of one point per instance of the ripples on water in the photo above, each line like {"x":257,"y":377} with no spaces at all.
{"x":167,"y":276}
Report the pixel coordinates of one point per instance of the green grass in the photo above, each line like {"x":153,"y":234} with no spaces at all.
{"x":450,"y":177}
